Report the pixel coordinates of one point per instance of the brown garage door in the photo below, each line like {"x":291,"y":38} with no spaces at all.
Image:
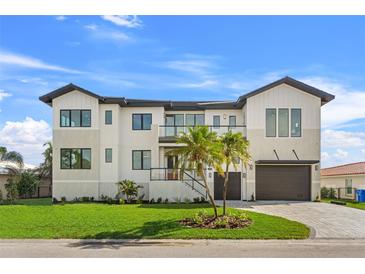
{"x":283,"y":183}
{"x":234,"y":186}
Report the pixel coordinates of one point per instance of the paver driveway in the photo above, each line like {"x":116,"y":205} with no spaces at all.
{"x":327,"y":220}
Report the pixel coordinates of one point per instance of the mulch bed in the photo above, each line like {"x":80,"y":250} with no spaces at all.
{"x":229,"y":222}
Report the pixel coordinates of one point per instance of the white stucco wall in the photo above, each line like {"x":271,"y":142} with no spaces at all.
{"x":358,"y":181}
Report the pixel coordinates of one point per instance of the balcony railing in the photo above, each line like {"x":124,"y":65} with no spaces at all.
{"x":172,"y":174}
{"x":173,"y":131}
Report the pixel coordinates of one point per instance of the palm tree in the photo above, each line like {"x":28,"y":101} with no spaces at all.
{"x":200,"y":150}
{"x":129,"y":188}
{"x":234,"y":147}
{"x":11,"y":157}
{"x":45,"y":168}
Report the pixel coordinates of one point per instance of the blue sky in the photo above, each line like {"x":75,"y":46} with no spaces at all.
{"x":181,"y":57}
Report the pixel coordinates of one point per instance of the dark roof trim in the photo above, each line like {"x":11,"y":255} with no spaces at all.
{"x":287,"y":162}
{"x":325,"y":97}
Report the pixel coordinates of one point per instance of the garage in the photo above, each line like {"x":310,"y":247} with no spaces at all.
{"x":283,"y":182}
{"x":234,"y":186}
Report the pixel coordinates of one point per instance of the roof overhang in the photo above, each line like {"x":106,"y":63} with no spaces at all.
{"x":286,"y":162}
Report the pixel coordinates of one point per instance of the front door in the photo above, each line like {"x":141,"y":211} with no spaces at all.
{"x":172,"y":172}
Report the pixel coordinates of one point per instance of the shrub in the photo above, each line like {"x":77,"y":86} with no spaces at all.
{"x":76,"y":200}
{"x":177,"y":200}
{"x":152,"y":201}
{"x":121,"y":201}
{"x":54,"y":200}
{"x":221,"y":222}
{"x":91,"y":199}
{"x":129,"y":188}
{"x":139,"y":201}
{"x":27,"y":184}
{"x":202,"y":199}
{"x":196,"y":200}
{"x":63,"y":199}
{"x":85,"y":199}
{"x":159,"y":200}
{"x":109,"y":200}
{"x":166,"y":201}
{"x":200,"y":217}
{"x":187,"y":201}
{"x":11,"y":189}
{"x":1,"y":196}
{"x":104,"y":198}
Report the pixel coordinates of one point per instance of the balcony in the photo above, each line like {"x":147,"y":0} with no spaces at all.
{"x":169,"y":134}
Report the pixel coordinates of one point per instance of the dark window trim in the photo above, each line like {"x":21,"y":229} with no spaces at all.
{"x":105,"y":121}
{"x":81,"y":151}
{"x":141,"y":152}
{"x":69,"y":113}
{"x":235,"y":121}
{"x":289,"y":126}
{"x":219,"y":119}
{"x":300,"y":119}
{"x":276,"y":117}
{"x":142,"y":114}
{"x":106,"y":159}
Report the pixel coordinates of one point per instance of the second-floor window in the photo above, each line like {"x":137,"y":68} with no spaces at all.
{"x":232,"y":121}
{"x":75,"y":158}
{"x":296,"y":122}
{"x":141,"y":121}
{"x":283,"y":122}
{"x":270,"y":122}
{"x":216,"y":121}
{"x":108,"y":117}
{"x":280,"y":117}
{"x":194,"y":120}
{"x":108,"y":155}
{"x":75,"y":118}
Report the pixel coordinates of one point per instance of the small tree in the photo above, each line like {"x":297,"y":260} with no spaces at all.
{"x":45,"y":168}
{"x":200,"y":151}
{"x":27,"y":184}
{"x":129,"y":188}
{"x":11,"y":189}
{"x":234,"y":147}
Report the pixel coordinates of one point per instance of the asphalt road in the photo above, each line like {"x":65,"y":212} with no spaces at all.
{"x":323,"y":248}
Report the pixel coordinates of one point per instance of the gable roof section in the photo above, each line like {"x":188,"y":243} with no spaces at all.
{"x":349,"y":169}
{"x":188,"y":105}
{"x":325,"y":97}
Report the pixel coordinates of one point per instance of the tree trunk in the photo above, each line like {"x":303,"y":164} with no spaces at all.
{"x":225,"y":184}
{"x":209,"y":194}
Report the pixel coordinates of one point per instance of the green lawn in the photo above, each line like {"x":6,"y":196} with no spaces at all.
{"x":101,"y":221}
{"x":348,"y":203}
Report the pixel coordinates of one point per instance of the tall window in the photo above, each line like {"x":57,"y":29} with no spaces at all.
{"x":296,"y":122}
{"x":270,"y":122}
{"x":108,"y":117}
{"x":232,"y":121}
{"x":174,"y":124}
{"x":75,"y":158}
{"x":75,"y":118}
{"x":348,"y":185}
{"x":283,"y":122}
{"x":108,"y":155}
{"x":141,"y":121}
{"x":141,"y":159}
{"x":216,"y":121}
{"x":194,"y":120}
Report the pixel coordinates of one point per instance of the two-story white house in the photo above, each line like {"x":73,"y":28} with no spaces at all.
{"x":99,"y":141}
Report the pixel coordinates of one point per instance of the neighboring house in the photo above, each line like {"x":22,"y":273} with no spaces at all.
{"x":98,"y":141}
{"x":344,"y":178}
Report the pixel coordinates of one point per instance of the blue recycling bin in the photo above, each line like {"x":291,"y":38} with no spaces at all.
{"x":360,"y":195}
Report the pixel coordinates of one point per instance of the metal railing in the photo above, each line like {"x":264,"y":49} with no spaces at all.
{"x":172,"y":131}
{"x":188,"y":177}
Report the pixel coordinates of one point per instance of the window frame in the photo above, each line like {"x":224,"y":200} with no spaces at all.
{"x":111,"y":155}
{"x":229,"y":121}
{"x":300,"y":120}
{"x":69,"y":115}
{"x":141,"y":154}
{"x":194,"y":115}
{"x":288,"y":123}
{"x":105,"y":117}
{"x":141,"y":120}
{"x":70,"y":160}
{"x":219,"y":121}
{"x":266,"y":123}
{"x":348,"y":181}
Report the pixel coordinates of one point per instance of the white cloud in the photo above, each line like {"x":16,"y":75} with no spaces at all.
{"x":340,"y":138}
{"x":26,"y":137}
{"x":195,"y":66}
{"x":325,"y":156}
{"x":124,"y":20}
{"x":106,"y":34}
{"x":4,"y":94}
{"x":341,"y":153}
{"x":203,"y":84}
{"x":61,"y":18}
{"x":29,"y":62}
{"x":347,"y":106}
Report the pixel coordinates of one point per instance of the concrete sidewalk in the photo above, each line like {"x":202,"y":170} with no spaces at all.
{"x":324,"y":248}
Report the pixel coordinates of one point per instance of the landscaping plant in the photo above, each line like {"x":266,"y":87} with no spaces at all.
{"x":129,"y":188}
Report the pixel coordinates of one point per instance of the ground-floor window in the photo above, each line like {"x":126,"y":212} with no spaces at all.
{"x":141,"y":159}
{"x":75,"y":158}
{"x":348,"y":185}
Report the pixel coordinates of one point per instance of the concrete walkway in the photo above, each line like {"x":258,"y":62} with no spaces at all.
{"x":182,"y":248}
{"x":327,"y":220}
